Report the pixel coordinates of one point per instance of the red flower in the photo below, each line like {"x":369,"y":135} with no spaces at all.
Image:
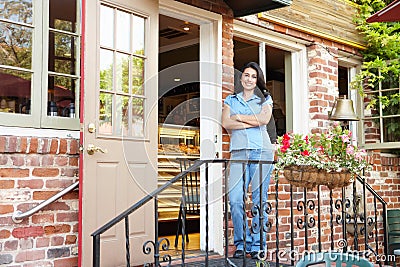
{"x":305,"y":153}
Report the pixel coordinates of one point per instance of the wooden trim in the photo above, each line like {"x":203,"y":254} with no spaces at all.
{"x":300,"y":28}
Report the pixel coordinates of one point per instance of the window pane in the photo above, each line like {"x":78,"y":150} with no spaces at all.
{"x":123,"y":31}
{"x":391,"y":129}
{"x":371,"y":131}
{"x":137,"y":75}
{"x":121,"y":119}
{"x":390,"y":81}
{"x":390,"y":103}
{"x":137,"y":117}
{"x":62,"y":53}
{"x":63,"y":15}
{"x":106,"y":69}
{"x":105,"y":114}
{"x":106,"y":26}
{"x":138,"y":35}
{"x":18,"y":11}
{"x":15,"y":91}
{"x":122,"y":77}
{"x":15,"y":45}
{"x":61,"y":96}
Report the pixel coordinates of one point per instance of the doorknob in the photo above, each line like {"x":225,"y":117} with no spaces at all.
{"x":92,"y":148}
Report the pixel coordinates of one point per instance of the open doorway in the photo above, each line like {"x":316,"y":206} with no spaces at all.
{"x":178,"y":118}
{"x":274,"y":71}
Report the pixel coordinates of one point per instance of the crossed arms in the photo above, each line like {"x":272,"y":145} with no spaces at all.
{"x":240,"y":121}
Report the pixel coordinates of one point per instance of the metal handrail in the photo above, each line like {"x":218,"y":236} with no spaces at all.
{"x":18,"y":215}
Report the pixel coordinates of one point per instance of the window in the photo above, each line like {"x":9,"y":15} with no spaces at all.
{"x":39,"y":63}
{"x":381,"y":113}
{"x":122,"y":66}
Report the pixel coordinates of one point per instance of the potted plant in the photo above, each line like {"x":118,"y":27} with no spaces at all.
{"x":320,"y":159}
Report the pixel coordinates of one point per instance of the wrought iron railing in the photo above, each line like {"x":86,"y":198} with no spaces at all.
{"x":304,"y":220}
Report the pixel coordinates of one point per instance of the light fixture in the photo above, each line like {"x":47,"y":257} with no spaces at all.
{"x":186,"y":26}
{"x":177,"y":79}
{"x":342,"y":110}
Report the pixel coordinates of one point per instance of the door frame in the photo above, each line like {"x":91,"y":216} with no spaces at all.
{"x":210,"y":117}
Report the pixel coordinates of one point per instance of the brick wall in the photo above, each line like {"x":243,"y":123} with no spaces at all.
{"x":323,"y":88}
{"x":32,"y":170}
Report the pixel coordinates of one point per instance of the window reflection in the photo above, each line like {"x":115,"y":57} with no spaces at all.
{"x":15,"y":91}
{"x":61,"y":96}
{"x":106,"y":26}
{"x":105,"y":113}
{"x":16,"y":45}
{"x":17,"y":11}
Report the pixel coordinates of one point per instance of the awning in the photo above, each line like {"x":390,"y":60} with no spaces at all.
{"x":247,"y":7}
{"x":390,"y":13}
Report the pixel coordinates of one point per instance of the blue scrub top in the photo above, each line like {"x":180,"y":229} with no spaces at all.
{"x":250,"y":138}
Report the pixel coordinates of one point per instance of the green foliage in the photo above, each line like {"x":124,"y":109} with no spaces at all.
{"x":381,"y":62}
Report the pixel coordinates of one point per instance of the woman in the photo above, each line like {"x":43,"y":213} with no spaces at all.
{"x":245,"y":116}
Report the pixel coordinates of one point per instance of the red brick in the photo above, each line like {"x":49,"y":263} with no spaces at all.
{"x":70,"y":262}
{"x":33,"y":145}
{"x":58,"y":183}
{"x":45,"y":172}
{"x":30,"y":255}
{"x":11,"y":245}
{"x":42,"y":242}
{"x":32,"y":160}
{"x":56,"y":229}
{"x":42,"y":218}
{"x":3,"y":144}
{"x":70,"y":239}
{"x":23,"y":145}
{"x":42,"y":195}
{"x":73,"y":161}
{"x":6,"y":184}
{"x":74,"y":147}
{"x":12,"y":144}
{"x":14,"y":172}
{"x":3,"y":159}
{"x":54,"y":146}
{"x":24,"y":232}
{"x":67,"y":217}
{"x":63,"y":146}
{"x":61,"y":161}
{"x":6,"y":209}
{"x":57,"y":206}
{"x":4,"y":234}
{"x":18,"y":160}
{"x":44,"y":146}
{"x":57,"y":240}
{"x":48,"y":160}
{"x":33,"y":184}
{"x":71,"y":195}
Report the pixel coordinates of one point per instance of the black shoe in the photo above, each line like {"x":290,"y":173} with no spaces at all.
{"x":239,"y":254}
{"x":257,"y":255}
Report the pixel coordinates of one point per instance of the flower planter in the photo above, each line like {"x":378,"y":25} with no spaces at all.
{"x":309,"y":177}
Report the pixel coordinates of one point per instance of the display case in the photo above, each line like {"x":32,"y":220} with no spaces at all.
{"x":175,"y":141}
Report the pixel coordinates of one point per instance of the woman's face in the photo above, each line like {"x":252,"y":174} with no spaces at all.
{"x":249,"y":79}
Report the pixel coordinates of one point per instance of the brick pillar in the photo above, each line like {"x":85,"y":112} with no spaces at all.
{"x":322,"y":83}
{"x":32,"y":170}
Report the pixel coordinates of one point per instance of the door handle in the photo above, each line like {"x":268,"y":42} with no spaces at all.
{"x":92,"y":148}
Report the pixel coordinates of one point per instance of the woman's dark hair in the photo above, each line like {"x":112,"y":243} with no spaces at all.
{"x":261,"y":89}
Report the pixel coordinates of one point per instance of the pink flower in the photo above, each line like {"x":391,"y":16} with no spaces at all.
{"x":345,"y":138}
{"x":350,"y":149}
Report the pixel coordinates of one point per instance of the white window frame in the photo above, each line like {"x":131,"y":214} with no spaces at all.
{"x":382,"y":144}
{"x":38,"y":117}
